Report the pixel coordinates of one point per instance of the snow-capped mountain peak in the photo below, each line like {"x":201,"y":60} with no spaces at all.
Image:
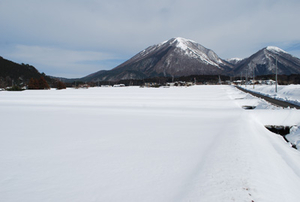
{"x":275,"y":49}
{"x":178,"y":42}
{"x":234,"y":60}
{"x":194,"y":50}
{"x":181,"y":42}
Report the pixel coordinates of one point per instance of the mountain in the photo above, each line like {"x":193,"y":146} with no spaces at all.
{"x":173,"y":58}
{"x":264,"y":63}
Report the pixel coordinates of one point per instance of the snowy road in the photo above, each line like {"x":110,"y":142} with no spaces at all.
{"x":276,"y":102}
{"x":288,"y":93}
{"x":135,"y":144}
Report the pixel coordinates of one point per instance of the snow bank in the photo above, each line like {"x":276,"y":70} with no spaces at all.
{"x":289,"y":93}
{"x":294,"y":136}
{"x":142,"y":144}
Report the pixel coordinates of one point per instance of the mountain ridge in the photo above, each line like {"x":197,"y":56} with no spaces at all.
{"x":162,"y":60}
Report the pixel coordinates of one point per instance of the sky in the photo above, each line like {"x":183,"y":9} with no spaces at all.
{"x":75,"y":38}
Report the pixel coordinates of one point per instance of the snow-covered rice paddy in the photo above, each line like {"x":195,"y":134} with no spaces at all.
{"x":144,"y":144}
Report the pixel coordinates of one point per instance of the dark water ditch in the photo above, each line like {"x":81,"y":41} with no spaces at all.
{"x":282,"y":131}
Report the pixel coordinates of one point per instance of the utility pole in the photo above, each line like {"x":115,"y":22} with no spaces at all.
{"x":253,"y":76}
{"x":241,"y":79}
{"x":276,"y":81}
{"x":246,"y":78}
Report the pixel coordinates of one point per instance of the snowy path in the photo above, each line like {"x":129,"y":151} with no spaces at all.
{"x":134,"y":144}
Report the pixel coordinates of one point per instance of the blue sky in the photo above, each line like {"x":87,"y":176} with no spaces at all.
{"x":75,"y":38}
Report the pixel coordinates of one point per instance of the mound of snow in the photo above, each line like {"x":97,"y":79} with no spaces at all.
{"x":294,"y":136}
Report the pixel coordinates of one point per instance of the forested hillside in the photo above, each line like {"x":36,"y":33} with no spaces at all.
{"x":12,"y":73}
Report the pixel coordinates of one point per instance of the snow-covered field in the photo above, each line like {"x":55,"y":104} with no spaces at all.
{"x":144,"y":144}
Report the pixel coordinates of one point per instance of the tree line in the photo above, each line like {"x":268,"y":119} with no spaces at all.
{"x":40,"y":83}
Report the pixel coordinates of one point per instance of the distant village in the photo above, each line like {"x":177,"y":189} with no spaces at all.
{"x":186,"y":84}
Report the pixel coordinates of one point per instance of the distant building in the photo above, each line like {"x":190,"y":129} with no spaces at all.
{"x":83,"y":86}
{"x":119,"y":85}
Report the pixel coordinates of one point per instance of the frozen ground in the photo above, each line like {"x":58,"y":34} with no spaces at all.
{"x":142,"y":144}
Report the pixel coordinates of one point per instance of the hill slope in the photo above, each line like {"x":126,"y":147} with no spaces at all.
{"x":19,"y":73}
